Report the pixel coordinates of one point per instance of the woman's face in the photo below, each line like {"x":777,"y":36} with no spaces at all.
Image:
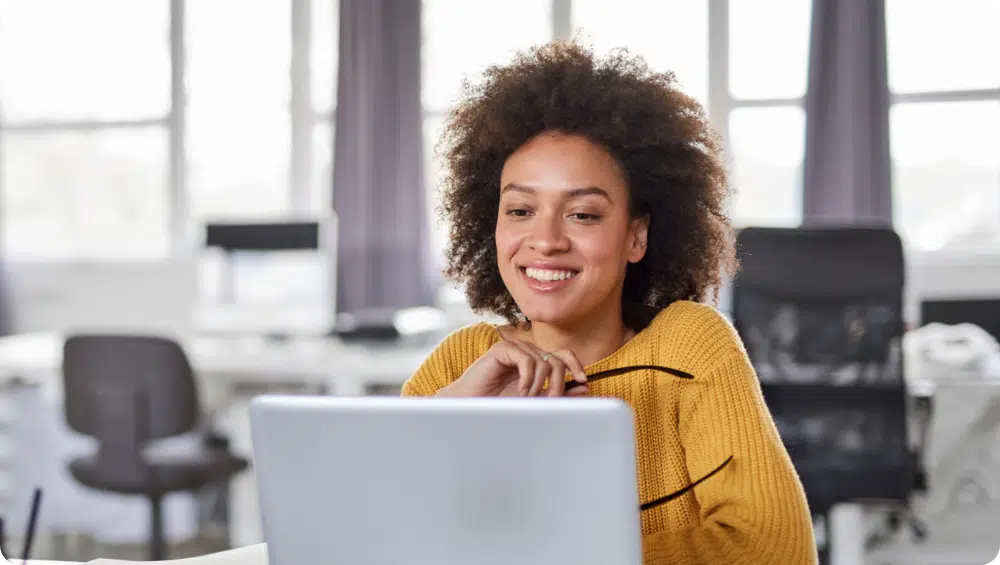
{"x":564,"y":235}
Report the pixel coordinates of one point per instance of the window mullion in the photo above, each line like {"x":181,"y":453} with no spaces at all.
{"x":946,"y":96}
{"x":562,"y":19}
{"x":180,"y":211}
{"x":719,"y":100}
{"x":301,"y":112}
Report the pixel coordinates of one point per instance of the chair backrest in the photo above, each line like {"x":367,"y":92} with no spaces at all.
{"x":152,"y":373}
{"x":820,"y":311}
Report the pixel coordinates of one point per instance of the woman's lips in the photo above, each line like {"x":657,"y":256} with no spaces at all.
{"x":547,"y":280}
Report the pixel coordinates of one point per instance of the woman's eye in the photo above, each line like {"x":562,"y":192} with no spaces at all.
{"x":585,"y":217}
{"x":517,"y":212}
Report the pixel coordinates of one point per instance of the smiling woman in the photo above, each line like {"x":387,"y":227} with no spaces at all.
{"x":586,"y":199}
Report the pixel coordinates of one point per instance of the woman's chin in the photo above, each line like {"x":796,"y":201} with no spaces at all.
{"x":550,"y":316}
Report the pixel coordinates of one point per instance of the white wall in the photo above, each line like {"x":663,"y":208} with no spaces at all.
{"x":955,"y":274}
{"x":152,"y":296}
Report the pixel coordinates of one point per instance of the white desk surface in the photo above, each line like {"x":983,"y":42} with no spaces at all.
{"x":37,"y":357}
{"x":250,"y":555}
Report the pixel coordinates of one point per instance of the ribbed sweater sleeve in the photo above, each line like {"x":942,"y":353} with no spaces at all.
{"x":450,"y":359}
{"x":754,"y":511}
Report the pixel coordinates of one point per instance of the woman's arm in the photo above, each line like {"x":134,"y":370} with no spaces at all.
{"x":450,"y":359}
{"x":754,"y":511}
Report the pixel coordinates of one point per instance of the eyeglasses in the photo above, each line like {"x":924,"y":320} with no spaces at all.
{"x":676,"y":494}
{"x":29,"y":536}
{"x":670,"y":371}
{"x":622,"y":370}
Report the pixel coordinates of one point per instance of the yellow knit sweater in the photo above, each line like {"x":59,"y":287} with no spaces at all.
{"x":754,"y":511}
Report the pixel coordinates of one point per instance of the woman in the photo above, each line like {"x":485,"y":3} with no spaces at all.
{"x":586,"y":202}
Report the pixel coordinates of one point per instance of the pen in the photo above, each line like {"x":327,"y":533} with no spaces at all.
{"x":29,"y":536}
{"x":3,"y":537}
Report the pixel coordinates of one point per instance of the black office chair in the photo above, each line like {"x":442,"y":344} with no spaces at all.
{"x":126,"y":391}
{"x":820,"y":311}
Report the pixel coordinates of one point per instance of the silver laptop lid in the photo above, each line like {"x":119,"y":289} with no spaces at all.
{"x":446,"y":481}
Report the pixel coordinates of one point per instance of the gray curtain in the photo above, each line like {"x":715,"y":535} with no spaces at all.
{"x":378,"y":181}
{"x":847,"y":164}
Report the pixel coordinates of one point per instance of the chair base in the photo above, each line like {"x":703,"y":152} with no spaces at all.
{"x":157,"y":546}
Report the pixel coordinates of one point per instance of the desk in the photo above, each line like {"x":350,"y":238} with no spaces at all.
{"x":230,"y":371}
{"x":240,"y":368}
{"x":347,"y":368}
{"x":250,"y":555}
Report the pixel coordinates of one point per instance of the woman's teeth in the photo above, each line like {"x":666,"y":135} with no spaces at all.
{"x":547,"y":275}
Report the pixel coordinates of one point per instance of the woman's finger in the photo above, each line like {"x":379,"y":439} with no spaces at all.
{"x":511,"y":355}
{"x":542,"y":371}
{"x":557,"y":376}
{"x":541,"y":368}
{"x":572,"y":363}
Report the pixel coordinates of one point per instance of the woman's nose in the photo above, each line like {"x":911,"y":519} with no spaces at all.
{"x":548,"y":235}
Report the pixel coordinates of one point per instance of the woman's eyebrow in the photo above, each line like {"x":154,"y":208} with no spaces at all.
{"x":588,"y":191}
{"x":572,"y":193}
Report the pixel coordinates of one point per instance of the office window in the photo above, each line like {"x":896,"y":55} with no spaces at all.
{"x":460,"y":40}
{"x":946,"y":173}
{"x":932,"y":49}
{"x":768,"y":49}
{"x":99,"y":193}
{"x":671,"y":35}
{"x":766,"y":173}
{"x":945,"y":123}
{"x":84,"y":60}
{"x":756,"y":104}
{"x":104,"y":157}
{"x":83,"y":156}
{"x":237,"y":109}
{"x":764,"y":121}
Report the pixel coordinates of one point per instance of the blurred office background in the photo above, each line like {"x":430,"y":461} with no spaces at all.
{"x":131,"y":129}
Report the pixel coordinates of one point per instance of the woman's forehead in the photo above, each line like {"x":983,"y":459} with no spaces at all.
{"x":567,"y":164}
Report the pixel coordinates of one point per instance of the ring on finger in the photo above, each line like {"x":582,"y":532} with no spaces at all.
{"x":545,"y":356}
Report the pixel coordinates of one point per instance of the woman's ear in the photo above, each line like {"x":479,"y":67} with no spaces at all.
{"x":638,"y":236}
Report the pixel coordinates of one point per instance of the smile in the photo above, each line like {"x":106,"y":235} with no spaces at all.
{"x":546,"y":280}
{"x":548,"y":275}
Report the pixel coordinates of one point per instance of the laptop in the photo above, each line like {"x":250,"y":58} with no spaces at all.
{"x":429,"y":481}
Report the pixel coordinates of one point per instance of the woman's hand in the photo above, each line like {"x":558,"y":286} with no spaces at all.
{"x":518,"y":368}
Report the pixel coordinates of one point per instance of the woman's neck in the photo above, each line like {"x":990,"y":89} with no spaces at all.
{"x":590,"y":342}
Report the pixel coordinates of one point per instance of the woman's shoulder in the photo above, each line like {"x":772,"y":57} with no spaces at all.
{"x":688,"y":314}
{"x":475,"y":339}
{"x":692,"y":334}
{"x":462,"y":346}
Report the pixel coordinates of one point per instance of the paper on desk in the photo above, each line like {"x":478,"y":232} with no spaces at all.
{"x":250,"y":555}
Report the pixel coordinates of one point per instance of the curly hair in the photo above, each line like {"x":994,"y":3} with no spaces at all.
{"x":660,"y":137}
